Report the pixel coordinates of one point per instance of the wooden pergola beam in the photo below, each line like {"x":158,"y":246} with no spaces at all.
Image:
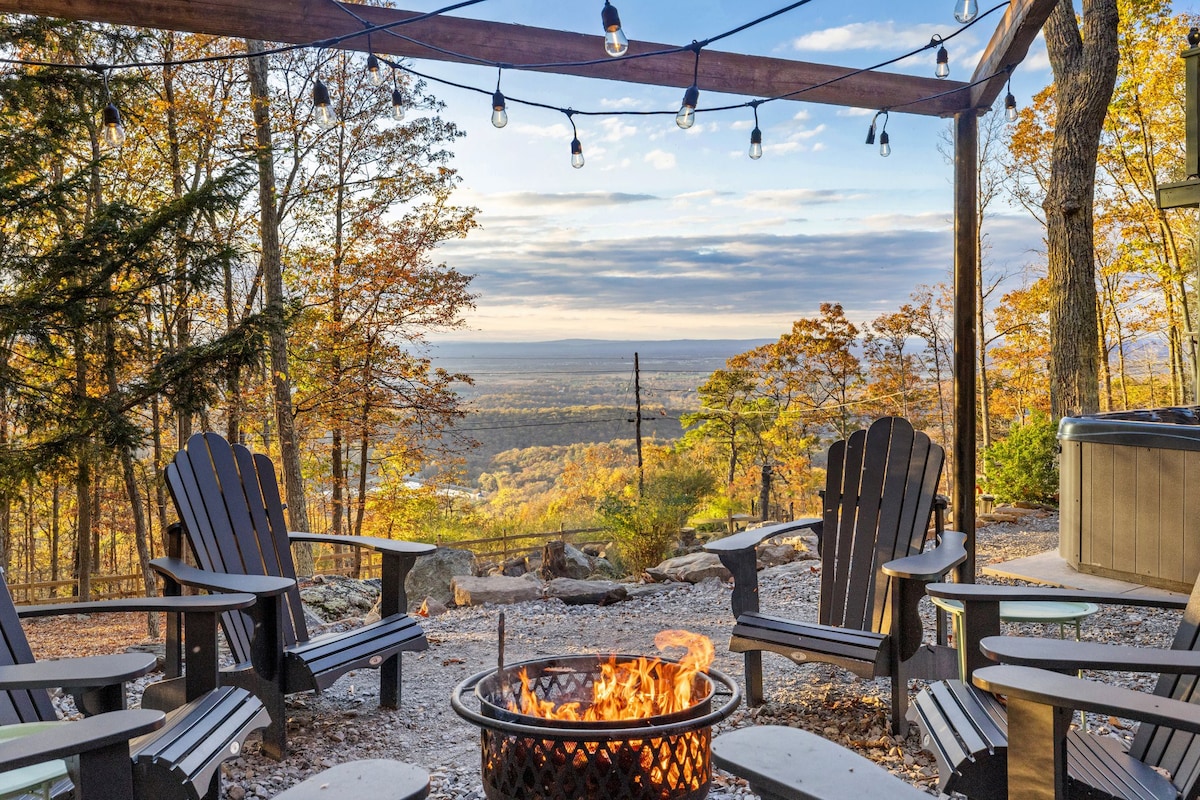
{"x":1008,"y":47}
{"x":306,"y":21}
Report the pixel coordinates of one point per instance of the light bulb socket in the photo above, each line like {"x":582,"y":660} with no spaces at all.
{"x":576,"y":153}
{"x":1010,"y":107}
{"x":756,"y":144}
{"x":112,"y":116}
{"x":372,"y":64}
{"x":691,"y":97}
{"x":610,"y":18}
{"x":498,"y":100}
{"x":1193,"y":37}
{"x":756,"y":136}
{"x":397,"y":105}
{"x":321,"y":95}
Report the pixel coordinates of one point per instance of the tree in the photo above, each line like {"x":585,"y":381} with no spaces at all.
{"x":1083,"y":55}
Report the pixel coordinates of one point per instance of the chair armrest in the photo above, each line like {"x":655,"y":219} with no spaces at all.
{"x":71,"y":738}
{"x":931,"y":564}
{"x":1065,"y":691}
{"x":185,"y":574}
{"x":751,"y":538}
{"x":199,"y":603}
{"x":395,"y":546}
{"x":74,"y":673}
{"x":972,"y":593}
{"x":1064,"y":654}
{"x":793,"y":764}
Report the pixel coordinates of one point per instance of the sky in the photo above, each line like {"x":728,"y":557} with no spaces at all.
{"x":673,"y":234}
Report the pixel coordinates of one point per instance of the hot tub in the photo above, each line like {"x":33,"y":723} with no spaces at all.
{"x":1126,"y":511}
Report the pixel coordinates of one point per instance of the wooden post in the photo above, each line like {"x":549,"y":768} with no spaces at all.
{"x":966,"y":236}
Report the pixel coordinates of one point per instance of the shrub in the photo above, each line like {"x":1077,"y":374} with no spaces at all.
{"x":1024,"y":466}
{"x":647,"y":527}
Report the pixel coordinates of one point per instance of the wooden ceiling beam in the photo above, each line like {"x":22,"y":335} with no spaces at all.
{"x":1008,"y":47}
{"x":293,"y":22}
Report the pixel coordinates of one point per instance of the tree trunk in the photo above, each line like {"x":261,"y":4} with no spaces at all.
{"x":1085,"y":69}
{"x":272,"y":270}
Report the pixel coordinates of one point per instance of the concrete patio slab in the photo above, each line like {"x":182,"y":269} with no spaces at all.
{"x":1051,"y":568}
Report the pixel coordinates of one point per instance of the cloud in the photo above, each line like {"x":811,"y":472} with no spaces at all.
{"x":622,"y":103}
{"x":555,"y":131}
{"x":660,"y":159}
{"x":560,"y":200}
{"x":614,"y":129}
{"x":866,"y":36}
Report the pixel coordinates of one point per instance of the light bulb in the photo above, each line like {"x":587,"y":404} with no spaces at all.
{"x":576,"y":154}
{"x":322,"y":107}
{"x":943,"y":63}
{"x":615,"y":43}
{"x":114,"y":131}
{"x":373,"y":70}
{"x":885,"y":148}
{"x":686,"y":117}
{"x":756,"y":144}
{"x":1010,"y":107}
{"x":499,"y":114}
{"x":965,"y":10}
{"x":397,"y":105}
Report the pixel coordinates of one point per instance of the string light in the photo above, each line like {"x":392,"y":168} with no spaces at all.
{"x":686,"y":117}
{"x":1010,"y":105}
{"x":885,"y":147}
{"x":373,"y":69}
{"x":397,"y":100}
{"x":943,"y":58}
{"x":755,"y":135}
{"x":114,"y":131}
{"x":499,"y":107}
{"x":615,"y":43}
{"x":576,"y":147}
{"x":323,"y":108}
{"x":965,"y":10}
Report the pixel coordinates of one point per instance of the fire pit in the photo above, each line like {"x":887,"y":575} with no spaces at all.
{"x":527,"y":756}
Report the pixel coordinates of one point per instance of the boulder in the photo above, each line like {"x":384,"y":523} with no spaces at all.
{"x":432,"y":573}
{"x":575,"y":592}
{"x":431,"y":608}
{"x":772,"y":555}
{"x":335,"y":597}
{"x":561,"y":560}
{"x":691,"y":568}
{"x":496,"y":589}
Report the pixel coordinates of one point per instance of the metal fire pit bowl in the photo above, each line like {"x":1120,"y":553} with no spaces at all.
{"x":524,"y":757}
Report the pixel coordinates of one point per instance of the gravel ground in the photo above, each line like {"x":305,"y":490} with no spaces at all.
{"x":345,"y":723}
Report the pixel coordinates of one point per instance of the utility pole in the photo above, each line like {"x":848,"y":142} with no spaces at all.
{"x":637,"y":421}
{"x":764,"y":500}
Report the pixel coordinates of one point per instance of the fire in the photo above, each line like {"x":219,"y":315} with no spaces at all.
{"x":634,"y":689}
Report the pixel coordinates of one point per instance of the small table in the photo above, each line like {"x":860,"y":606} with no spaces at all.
{"x":1064,"y":613}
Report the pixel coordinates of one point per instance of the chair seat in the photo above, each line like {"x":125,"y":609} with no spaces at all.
{"x":183,"y":757}
{"x":864,"y":653}
{"x":966,"y":729}
{"x":320,"y":661}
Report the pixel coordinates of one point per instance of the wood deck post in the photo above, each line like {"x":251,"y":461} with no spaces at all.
{"x":966,"y":254}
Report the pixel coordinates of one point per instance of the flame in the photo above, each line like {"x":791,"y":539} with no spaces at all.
{"x":634,"y":689}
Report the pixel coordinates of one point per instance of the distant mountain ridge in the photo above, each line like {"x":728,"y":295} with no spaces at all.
{"x":596,"y":348}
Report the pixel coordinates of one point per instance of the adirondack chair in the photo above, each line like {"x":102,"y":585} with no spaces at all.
{"x":879,"y":498}
{"x":231,"y":513}
{"x":181,"y":759}
{"x":97,"y":746}
{"x":969,"y":731}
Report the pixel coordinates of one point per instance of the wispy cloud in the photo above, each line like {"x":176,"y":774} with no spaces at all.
{"x":559,"y":200}
{"x":660,"y":159}
{"x":866,"y":36}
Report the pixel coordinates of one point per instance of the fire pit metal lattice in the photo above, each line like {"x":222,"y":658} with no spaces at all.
{"x":525,"y":757}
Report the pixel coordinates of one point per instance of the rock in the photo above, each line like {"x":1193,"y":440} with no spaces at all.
{"x":603,"y":568}
{"x":639,"y":590}
{"x":772,"y":555}
{"x":156,"y":649}
{"x":498,"y":589}
{"x":431,"y":608}
{"x":513,"y":567}
{"x":432,"y":574}
{"x":691,"y":568}
{"x":575,"y":592}
{"x":336,"y":597}
{"x":800,"y":567}
{"x":561,"y":560}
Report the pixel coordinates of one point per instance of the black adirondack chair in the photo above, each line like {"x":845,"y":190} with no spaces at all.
{"x":181,"y":759}
{"x":230,"y":509}
{"x":879,"y":499}
{"x":975,"y":739}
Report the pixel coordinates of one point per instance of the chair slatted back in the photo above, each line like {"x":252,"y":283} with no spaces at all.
{"x":881,"y":484}
{"x":19,"y":705}
{"x":228,"y":522}
{"x":1176,"y":751}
